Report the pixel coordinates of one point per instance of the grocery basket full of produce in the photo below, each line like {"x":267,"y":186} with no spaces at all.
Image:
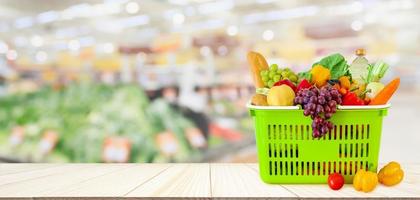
{"x":326,"y":120}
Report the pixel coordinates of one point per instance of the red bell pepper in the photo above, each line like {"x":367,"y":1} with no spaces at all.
{"x":286,"y":82}
{"x":351,"y":99}
{"x":303,"y":84}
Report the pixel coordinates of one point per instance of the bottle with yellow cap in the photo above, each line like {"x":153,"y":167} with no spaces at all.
{"x":359,"y":67}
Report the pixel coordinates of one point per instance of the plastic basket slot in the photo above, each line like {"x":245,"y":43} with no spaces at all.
{"x":281,"y":168}
{"x":345,"y":168}
{"x":296,"y":132}
{"x":361,"y":150}
{"x":340,"y":150}
{"x":335,"y":132}
{"x":356,"y":150}
{"x":285,"y":150}
{"x":291,"y":132}
{"x":329,"y":167}
{"x":367,"y":165}
{"x":275,"y":168}
{"x":270,"y":167}
{"x":351,"y":150}
{"x":346,"y":132}
{"x":362,"y":132}
{"x":302,"y":168}
{"x":355,"y":166}
{"x":319,"y":168}
{"x":269,"y":150}
{"x":351,"y":132}
{"x":280,"y":131}
{"x":274,"y":150}
{"x":291,"y":168}
{"x":297,"y":151}
{"x":323,"y":168}
{"x":307,"y":168}
{"x":345,"y":150}
{"x":280,"y":151}
{"x":269,"y":132}
{"x":291,"y":150}
{"x":368,"y":131}
{"x":357,"y":131}
{"x":313,"y":168}
{"x":307,"y":132}
{"x":339,"y":167}
{"x":302,"y":132}
{"x":285,"y":168}
{"x":367,"y":149}
{"x":274,"y":132}
{"x":285,"y":132}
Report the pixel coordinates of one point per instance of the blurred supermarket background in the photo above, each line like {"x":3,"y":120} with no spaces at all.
{"x":167,"y":80}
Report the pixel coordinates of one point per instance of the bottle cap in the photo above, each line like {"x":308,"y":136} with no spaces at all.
{"x":360,"y":52}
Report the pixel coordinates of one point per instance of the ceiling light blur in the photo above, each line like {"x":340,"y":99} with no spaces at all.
{"x":205,"y":51}
{"x":222,"y":50}
{"x":4,"y":27}
{"x":11,"y":55}
{"x":281,"y":14}
{"x":232,"y":30}
{"x":132,"y":7}
{"x":74,"y":45}
{"x":3,"y":47}
{"x":24,"y":22}
{"x":268,"y":35}
{"x":37,"y":41}
{"x":178,"y":2}
{"x":20,"y":41}
{"x":47,"y":17}
{"x":217,"y":6}
{"x":41,"y":56}
{"x":357,"y":25}
{"x":108,"y":48}
{"x":178,"y":18}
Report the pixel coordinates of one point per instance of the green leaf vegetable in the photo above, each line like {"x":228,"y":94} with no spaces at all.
{"x":376,"y":72}
{"x":337,"y":65}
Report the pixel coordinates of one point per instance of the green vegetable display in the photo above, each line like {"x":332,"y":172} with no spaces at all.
{"x":84,"y":115}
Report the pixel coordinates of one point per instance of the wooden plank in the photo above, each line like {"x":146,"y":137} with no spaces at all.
{"x":67,"y":176}
{"x":241,"y":181}
{"x":33,"y":174}
{"x":114,"y":184}
{"x":180,"y":180}
{"x":18,"y":168}
{"x":410,"y":187}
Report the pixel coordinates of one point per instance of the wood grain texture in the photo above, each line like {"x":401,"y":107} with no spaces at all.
{"x":60,"y":177}
{"x":116,"y":183}
{"x":180,"y":180}
{"x":175,"y":181}
{"x":240,"y":180}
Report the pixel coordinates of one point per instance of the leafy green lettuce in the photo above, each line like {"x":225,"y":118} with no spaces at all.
{"x":337,"y":65}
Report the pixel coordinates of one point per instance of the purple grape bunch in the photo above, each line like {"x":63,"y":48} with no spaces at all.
{"x":320,"y":104}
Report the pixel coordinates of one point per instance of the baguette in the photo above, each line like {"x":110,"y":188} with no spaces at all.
{"x":258,"y":63}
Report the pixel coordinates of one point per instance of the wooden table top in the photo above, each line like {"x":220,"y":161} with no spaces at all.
{"x":209,"y":181}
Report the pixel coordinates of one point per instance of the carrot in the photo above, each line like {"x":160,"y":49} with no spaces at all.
{"x":385,"y":94}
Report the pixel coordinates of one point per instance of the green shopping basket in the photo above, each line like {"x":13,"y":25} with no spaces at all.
{"x":287,"y":152}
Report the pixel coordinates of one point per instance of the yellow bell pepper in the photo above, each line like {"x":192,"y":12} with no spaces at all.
{"x":365,"y":181}
{"x":391,"y":174}
{"x":320,"y":75}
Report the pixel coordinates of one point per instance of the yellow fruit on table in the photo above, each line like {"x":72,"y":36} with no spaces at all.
{"x":281,"y":95}
{"x":365,"y":181}
{"x":320,"y":75}
{"x":391,"y":174}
